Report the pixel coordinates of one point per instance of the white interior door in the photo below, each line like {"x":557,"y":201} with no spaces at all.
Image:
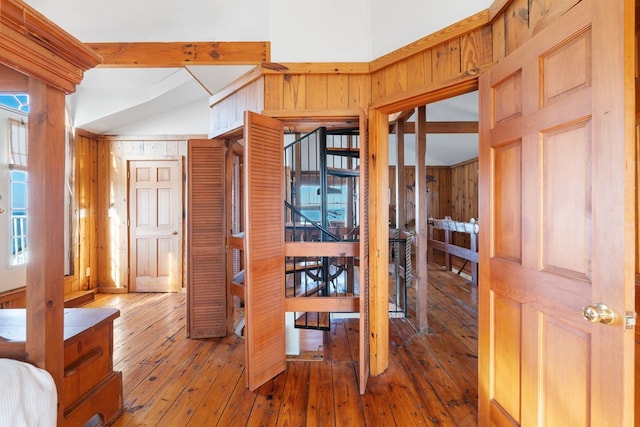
{"x":155,"y":225}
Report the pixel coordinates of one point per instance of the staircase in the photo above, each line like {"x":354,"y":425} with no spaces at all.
{"x":322,"y":182}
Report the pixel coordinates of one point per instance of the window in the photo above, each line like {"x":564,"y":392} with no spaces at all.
{"x":18,"y":180}
{"x":18,"y":187}
{"x":18,"y":217}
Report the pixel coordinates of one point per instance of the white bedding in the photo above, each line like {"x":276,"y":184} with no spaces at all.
{"x":28,"y":396}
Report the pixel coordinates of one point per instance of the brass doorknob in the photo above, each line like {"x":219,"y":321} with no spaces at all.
{"x":599,"y":313}
{"x":174,"y":232}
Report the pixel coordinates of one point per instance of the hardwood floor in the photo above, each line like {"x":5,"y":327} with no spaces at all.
{"x":170,"y":380}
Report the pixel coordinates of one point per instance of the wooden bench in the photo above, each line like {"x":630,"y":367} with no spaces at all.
{"x":91,"y":386}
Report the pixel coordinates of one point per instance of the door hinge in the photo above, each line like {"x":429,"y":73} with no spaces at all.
{"x":630,"y":319}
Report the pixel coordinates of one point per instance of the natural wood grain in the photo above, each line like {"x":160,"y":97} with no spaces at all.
{"x":172,"y":380}
{"x":453,"y":31}
{"x":178,"y":54}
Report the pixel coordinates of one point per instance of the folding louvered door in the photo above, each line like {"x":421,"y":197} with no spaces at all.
{"x":207,"y":286}
{"x":264,"y":249}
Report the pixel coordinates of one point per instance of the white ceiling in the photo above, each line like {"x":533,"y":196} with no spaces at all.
{"x":175,"y":101}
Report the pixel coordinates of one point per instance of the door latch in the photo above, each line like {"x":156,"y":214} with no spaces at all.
{"x":630,"y":319}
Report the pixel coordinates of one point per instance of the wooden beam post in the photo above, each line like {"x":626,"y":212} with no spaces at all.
{"x":378,"y":241}
{"x":421,"y":220}
{"x":401,"y":214}
{"x":180,"y":54}
{"x":45,"y":267}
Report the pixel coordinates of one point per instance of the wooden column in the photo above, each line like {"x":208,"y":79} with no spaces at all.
{"x":45,"y":268}
{"x":378,"y":241}
{"x":421,"y":220}
{"x":401,"y":215}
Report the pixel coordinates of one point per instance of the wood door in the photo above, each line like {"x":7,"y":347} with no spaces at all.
{"x":557,"y":215}
{"x":207,"y":292}
{"x":363,"y":270}
{"x":155,"y":220}
{"x":264,"y":248}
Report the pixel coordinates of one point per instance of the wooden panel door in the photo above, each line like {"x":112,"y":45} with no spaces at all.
{"x":264,"y":248}
{"x":155,"y":219}
{"x":206,"y":277}
{"x":557,"y":219}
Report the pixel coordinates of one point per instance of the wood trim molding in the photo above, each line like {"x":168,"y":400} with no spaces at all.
{"x":180,"y":54}
{"x":233,"y":87}
{"x":316,"y":68}
{"x":39,"y":48}
{"x":457,"y":29}
{"x":497,"y":7}
{"x":426,"y":94}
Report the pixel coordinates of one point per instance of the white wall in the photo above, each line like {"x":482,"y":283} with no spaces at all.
{"x":12,"y":277}
{"x":158,"y":20}
{"x":397,"y":24}
{"x":320,"y":31}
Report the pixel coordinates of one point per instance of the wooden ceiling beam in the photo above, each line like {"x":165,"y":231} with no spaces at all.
{"x":179,"y":54}
{"x":441,"y":127}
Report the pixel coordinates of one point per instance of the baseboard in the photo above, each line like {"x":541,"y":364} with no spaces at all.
{"x":112,"y":290}
{"x":76,"y":299}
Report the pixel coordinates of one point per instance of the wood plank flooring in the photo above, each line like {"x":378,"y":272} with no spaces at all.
{"x":170,"y":380}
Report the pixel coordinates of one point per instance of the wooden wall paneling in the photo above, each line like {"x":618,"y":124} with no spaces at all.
{"x":227,"y":109}
{"x":419,"y":69}
{"x":464,"y":189}
{"x":241,"y":99}
{"x":378,"y":83}
{"x":446,"y":60}
{"x":498,"y":39}
{"x":543,"y":12}
{"x":294,"y":95}
{"x":255,"y":98}
{"x":516,"y":25}
{"x":439,"y":195}
{"x":86,"y":199}
{"x":315,"y":92}
{"x":274,"y":91}
{"x":103,"y":269}
{"x":476,"y":49}
{"x":395,"y":78}
{"x":120,"y":188}
{"x":338,"y":91}
{"x":359,"y":90}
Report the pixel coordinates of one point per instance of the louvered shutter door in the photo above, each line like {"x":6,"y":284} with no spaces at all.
{"x":264,"y":253}
{"x":206,"y":288}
